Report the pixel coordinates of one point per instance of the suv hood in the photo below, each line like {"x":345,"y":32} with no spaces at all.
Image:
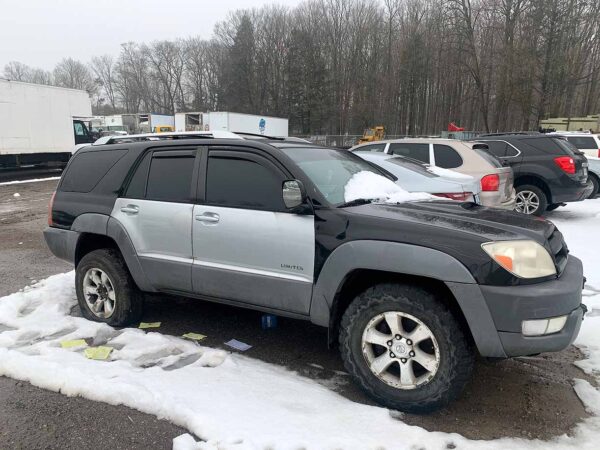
{"x":487,"y":223}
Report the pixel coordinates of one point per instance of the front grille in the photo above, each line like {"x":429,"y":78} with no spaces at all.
{"x":559,"y":250}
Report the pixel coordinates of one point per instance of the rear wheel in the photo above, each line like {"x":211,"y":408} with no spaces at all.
{"x":530,"y":200}
{"x":405,"y":348}
{"x":105,"y":290}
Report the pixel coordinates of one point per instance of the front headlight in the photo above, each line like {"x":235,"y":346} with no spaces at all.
{"x":524,"y":259}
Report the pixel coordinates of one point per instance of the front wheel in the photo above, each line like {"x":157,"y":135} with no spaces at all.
{"x":405,"y":349}
{"x":530,"y":200}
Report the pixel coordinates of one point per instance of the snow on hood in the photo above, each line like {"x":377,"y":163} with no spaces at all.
{"x":371,"y":186}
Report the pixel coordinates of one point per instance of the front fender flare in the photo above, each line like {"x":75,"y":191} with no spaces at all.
{"x":406,"y":259}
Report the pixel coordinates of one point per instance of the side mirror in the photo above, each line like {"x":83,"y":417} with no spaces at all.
{"x":294,"y":194}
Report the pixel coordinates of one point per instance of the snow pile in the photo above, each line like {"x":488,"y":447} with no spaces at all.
{"x":236,"y":403}
{"x":369,"y":185}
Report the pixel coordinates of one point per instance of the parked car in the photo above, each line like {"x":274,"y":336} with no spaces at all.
{"x":594,"y":175}
{"x":588,"y":143}
{"x":463,"y":157}
{"x":548,"y":170}
{"x":415,"y":176}
{"x":411,"y":291}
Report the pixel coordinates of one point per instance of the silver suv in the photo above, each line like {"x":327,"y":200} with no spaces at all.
{"x":464,"y":157}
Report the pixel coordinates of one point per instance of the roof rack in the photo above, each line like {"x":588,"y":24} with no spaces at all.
{"x":258,"y":136}
{"x":510,"y":133}
{"x":175,"y":135}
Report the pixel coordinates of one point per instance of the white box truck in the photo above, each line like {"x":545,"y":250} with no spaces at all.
{"x":230,"y":121}
{"x":39,"y":124}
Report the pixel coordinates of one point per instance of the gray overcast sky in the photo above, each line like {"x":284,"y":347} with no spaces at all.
{"x":40,"y":33}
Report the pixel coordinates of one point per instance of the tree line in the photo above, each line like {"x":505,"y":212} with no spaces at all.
{"x":338,"y":66}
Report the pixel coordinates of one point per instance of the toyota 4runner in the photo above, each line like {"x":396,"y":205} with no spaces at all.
{"x":411,"y":291}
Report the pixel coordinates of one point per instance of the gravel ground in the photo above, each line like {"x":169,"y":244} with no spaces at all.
{"x":525,"y":397}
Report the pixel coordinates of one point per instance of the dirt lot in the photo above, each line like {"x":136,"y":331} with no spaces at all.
{"x":526,"y":397}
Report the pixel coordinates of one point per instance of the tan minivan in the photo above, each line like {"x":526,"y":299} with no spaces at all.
{"x":469,"y":158}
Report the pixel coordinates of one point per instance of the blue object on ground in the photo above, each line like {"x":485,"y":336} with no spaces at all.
{"x":268,"y":321}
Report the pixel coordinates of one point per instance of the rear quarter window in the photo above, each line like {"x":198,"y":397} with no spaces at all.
{"x":87,"y":169}
{"x":548,"y":146}
{"x":446,"y":157}
{"x":583,"y":143}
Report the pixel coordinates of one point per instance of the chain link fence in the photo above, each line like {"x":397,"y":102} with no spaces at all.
{"x":342,"y":140}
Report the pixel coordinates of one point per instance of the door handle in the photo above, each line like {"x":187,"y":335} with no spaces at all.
{"x":208,"y":217}
{"x":130,"y":209}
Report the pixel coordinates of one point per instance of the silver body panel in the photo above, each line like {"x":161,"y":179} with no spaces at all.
{"x":161,"y":235}
{"x":260,"y":257}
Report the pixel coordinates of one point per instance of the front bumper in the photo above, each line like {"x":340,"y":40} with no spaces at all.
{"x":509,"y":306}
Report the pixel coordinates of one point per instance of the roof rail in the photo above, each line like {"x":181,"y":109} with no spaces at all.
{"x":175,"y":135}
{"x":259,"y":136}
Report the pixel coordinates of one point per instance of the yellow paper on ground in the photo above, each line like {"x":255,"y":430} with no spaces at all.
{"x":144,"y":325}
{"x":100,"y":353}
{"x":194,"y":336}
{"x":74,"y":343}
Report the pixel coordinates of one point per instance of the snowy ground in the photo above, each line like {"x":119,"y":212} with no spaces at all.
{"x":235,"y":402}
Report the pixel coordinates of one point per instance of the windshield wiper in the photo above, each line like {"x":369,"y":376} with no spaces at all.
{"x":355,"y":202}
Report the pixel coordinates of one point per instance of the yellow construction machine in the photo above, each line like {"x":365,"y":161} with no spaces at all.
{"x":372,"y":134}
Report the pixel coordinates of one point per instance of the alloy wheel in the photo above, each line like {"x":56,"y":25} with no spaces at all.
{"x":527,"y":202}
{"x":99,"y":293}
{"x":400,"y":350}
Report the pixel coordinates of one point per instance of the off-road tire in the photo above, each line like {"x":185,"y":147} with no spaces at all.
{"x":543,"y":200}
{"x":129,"y":299}
{"x":457,"y":355}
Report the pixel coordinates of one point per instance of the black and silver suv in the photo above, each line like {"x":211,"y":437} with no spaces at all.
{"x":548,"y":170}
{"x":411,"y":291}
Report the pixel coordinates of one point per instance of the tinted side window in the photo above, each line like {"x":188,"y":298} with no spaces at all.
{"x":87,"y":169}
{"x":496,"y":148}
{"x":137,"y":185}
{"x":372,"y":148}
{"x":415,"y":151}
{"x":511,"y":151}
{"x":582,"y":142}
{"x":242,"y":183}
{"x":546,"y":145}
{"x":446,"y":157}
{"x":170,"y":178}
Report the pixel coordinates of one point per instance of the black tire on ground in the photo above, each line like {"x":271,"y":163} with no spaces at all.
{"x":543,"y":200}
{"x":456,"y":354}
{"x":596,"y":184}
{"x":128,"y":306}
{"x":553,"y":206}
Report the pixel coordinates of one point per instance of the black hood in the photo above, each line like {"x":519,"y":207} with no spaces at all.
{"x":487,"y":223}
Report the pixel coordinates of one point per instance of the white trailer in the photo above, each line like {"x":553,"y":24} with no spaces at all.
{"x":246,"y":123}
{"x":40,"y":124}
{"x":230,"y":121}
{"x":189,"y":121}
